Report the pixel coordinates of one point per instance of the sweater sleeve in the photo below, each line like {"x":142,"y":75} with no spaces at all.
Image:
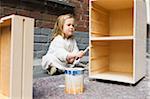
{"x":59,"y":50}
{"x":76,"y":49}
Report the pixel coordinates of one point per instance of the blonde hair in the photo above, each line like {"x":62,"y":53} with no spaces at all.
{"x":58,"y":27}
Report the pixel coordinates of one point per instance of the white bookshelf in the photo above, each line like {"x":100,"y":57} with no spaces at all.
{"x":117,"y":40}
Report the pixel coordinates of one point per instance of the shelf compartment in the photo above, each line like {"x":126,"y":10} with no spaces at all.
{"x":113,"y":57}
{"x":117,"y":40}
{"x":111,"y":21}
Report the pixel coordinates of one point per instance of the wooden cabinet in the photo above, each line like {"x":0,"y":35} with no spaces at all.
{"x":117,"y":40}
{"x":16,"y":57}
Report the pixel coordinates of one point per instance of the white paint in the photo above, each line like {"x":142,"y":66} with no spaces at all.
{"x":148,"y":11}
{"x":61,"y":86}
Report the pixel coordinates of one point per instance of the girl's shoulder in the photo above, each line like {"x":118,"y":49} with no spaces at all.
{"x":58,"y":37}
{"x":57,"y":40}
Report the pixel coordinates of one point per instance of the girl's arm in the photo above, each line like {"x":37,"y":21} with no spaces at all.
{"x":76,"y":49}
{"x":79,"y":54}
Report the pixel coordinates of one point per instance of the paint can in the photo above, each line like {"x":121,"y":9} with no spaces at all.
{"x":74,"y":80}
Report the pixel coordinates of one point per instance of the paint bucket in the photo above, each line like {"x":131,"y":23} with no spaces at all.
{"x":74,"y":80}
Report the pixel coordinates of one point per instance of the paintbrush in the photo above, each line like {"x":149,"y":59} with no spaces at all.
{"x":77,"y":60}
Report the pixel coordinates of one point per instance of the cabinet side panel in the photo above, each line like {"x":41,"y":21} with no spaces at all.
{"x":99,"y":57}
{"x":99,"y":20}
{"x":16,"y":57}
{"x":140,"y":39}
{"x":0,"y":61}
{"x":27,"y":58}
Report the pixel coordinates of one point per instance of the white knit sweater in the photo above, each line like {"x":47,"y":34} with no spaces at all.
{"x":58,"y":51}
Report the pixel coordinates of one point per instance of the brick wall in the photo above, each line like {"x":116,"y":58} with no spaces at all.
{"x":44,"y":18}
{"x":82,"y":14}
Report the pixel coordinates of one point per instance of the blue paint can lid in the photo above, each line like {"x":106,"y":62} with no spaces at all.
{"x":74,"y":71}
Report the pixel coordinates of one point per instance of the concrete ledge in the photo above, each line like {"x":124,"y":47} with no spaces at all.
{"x":37,"y":62}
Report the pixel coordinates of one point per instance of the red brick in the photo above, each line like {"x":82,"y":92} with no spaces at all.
{"x":46,"y":17}
{"x":2,"y":12}
{"x":80,"y":23}
{"x":86,"y":2}
{"x":74,"y":1}
{"x":36,"y":14}
{"x":86,"y":12}
{"x":44,"y":24}
{"x":86,"y":17}
{"x":53,"y":18}
{"x":23,"y":12}
{"x":9,"y":11}
{"x":82,"y":29}
{"x":47,"y":24}
{"x":86,"y":24}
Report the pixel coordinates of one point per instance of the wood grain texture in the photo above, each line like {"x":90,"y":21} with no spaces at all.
{"x":16,"y":57}
{"x":115,"y":4}
{"x":5,"y":60}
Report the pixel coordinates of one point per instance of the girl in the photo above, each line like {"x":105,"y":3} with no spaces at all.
{"x":63,"y":49}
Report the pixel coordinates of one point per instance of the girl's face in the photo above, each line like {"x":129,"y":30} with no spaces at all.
{"x":68,"y":27}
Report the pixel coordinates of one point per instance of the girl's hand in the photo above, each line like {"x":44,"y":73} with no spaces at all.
{"x":80,"y":54}
{"x":70,"y":61}
{"x":70,"y":58}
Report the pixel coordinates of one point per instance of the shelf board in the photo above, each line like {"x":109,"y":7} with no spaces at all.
{"x":99,"y":11}
{"x":3,"y":97}
{"x":115,"y":4}
{"x":114,"y":76}
{"x":113,"y":38}
{"x":5,"y":23}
